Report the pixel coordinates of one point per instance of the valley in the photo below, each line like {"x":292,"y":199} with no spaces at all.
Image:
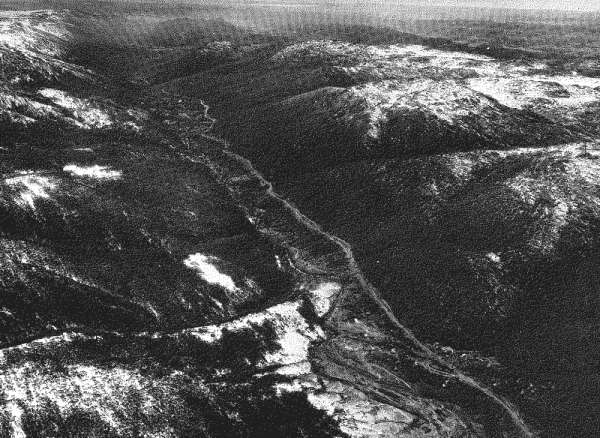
{"x":333,"y":229}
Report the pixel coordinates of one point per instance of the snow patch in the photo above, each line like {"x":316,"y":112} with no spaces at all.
{"x":78,"y":387}
{"x":293,"y":333}
{"x":588,"y":169}
{"x":325,"y":401}
{"x":34,"y":186}
{"x":295,"y":369}
{"x":294,"y":347}
{"x":205,"y":266}
{"x":449,"y":84}
{"x":493,"y":257}
{"x":15,"y":425}
{"x":86,"y":114}
{"x":95,"y":171}
{"x":322,"y":296}
{"x":521,"y":91}
{"x":358,"y":415}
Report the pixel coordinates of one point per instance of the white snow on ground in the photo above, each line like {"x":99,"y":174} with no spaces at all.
{"x":447,"y":99}
{"x":15,"y":425}
{"x":447,"y":59}
{"x":84,"y":111}
{"x":493,"y":257}
{"x":11,"y":40}
{"x":366,"y":418}
{"x":588,"y":169}
{"x":294,"y":341}
{"x":445,"y":82}
{"x":518,"y":92}
{"x":34,"y":186}
{"x":205,"y":266}
{"x":358,"y":415}
{"x":78,"y":387}
{"x":36,"y":40}
{"x":19,"y":30}
{"x":24,"y":110}
{"x":555,"y":201}
{"x":292,"y":333}
{"x":322,"y":296}
{"x":95,"y":171}
{"x":295,"y":369}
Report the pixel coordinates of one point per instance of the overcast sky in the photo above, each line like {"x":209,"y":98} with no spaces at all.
{"x":561,"y":5}
{"x":572,"y":5}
